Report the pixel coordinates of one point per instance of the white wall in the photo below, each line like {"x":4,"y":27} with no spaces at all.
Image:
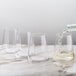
{"x":49,"y":16}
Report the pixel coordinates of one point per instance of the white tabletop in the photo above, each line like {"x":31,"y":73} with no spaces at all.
{"x":24,"y":68}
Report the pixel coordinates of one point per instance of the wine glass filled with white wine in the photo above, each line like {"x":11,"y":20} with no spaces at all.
{"x":64,"y":55}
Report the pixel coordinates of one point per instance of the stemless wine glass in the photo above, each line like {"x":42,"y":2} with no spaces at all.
{"x":11,"y":41}
{"x":4,"y":57}
{"x":11,"y":48}
{"x":64,"y":56}
{"x":36,"y":46}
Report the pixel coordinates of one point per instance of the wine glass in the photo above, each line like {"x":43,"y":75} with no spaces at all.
{"x":64,"y":51}
{"x":11,"y":46}
{"x":4,"y":56}
{"x":36,"y":47}
{"x":18,"y":51}
{"x":11,"y":41}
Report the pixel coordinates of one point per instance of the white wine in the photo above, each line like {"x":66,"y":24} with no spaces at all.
{"x":64,"y":58}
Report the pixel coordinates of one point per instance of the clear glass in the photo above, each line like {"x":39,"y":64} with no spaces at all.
{"x":11,"y":46}
{"x":64,"y":51}
{"x":11,"y":41}
{"x":36,"y":47}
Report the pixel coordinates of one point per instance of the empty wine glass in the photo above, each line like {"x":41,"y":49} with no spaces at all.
{"x":20,"y":53}
{"x":36,"y":46}
{"x":11,"y":46}
{"x":4,"y":57}
{"x":11,"y":41}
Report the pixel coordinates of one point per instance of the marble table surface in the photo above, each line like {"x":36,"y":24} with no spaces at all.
{"x":40,"y":68}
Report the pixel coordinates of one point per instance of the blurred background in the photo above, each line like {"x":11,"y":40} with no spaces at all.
{"x":49,"y":16}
